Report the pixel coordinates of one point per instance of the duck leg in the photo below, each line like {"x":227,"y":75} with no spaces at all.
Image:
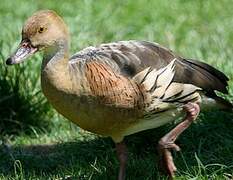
{"x":167,"y":142}
{"x":122,"y":155}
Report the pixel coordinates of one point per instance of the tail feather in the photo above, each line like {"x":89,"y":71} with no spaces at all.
{"x":210,"y":69}
{"x":201,"y":75}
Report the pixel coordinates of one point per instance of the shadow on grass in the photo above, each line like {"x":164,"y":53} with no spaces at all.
{"x":211,"y":139}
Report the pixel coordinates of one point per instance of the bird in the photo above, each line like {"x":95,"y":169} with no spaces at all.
{"x":120,"y":88}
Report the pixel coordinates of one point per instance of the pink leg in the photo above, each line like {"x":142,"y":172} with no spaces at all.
{"x":167,"y":142}
{"x":121,"y":150}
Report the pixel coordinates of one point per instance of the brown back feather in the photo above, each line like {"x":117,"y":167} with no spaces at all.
{"x":132,"y":57}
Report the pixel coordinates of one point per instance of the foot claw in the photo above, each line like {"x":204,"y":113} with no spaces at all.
{"x":175,"y":147}
{"x":172,"y":146}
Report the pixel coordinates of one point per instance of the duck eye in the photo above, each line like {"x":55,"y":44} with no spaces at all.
{"x":41,"y":29}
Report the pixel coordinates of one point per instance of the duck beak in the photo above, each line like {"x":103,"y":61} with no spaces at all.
{"x":24,"y":51}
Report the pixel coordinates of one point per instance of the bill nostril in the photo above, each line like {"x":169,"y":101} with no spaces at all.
{"x":9,"y":61}
{"x":24,"y":45}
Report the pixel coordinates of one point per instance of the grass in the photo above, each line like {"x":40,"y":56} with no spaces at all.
{"x":38,"y":148}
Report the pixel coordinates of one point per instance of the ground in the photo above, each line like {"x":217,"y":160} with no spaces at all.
{"x":195,"y":29}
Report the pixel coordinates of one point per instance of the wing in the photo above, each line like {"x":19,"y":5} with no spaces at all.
{"x":131,"y":57}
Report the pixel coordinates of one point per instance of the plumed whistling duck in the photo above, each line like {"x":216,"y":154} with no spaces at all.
{"x":120,"y":88}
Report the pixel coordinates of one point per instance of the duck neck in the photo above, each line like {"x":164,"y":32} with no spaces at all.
{"x":54,"y":71}
{"x":56,"y":55}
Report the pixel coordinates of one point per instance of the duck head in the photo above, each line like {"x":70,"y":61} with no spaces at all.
{"x":44,"y":30}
